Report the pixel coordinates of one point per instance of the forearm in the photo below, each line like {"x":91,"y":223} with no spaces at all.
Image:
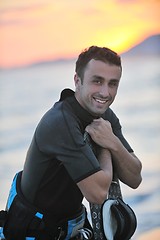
{"x":105,"y":160}
{"x":127,"y":165}
{"x":95,"y":187}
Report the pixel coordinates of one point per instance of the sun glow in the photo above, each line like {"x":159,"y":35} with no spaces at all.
{"x":39,"y":30}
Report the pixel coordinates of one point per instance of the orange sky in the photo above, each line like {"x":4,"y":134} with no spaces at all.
{"x":32,"y":30}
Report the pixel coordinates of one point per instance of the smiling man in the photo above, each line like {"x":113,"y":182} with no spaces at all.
{"x":61,"y":168}
{"x":97,"y":88}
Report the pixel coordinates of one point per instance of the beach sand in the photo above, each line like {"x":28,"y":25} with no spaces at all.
{"x":153,"y":234}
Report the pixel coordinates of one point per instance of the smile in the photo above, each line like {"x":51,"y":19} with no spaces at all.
{"x":100,"y":100}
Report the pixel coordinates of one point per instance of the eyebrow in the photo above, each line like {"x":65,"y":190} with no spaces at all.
{"x":98,"y":77}
{"x":114,"y":80}
{"x":102,"y":78}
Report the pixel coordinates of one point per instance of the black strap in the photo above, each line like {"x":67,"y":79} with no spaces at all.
{"x":115,"y":189}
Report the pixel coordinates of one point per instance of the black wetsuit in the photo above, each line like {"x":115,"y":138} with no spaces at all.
{"x":58,"y":157}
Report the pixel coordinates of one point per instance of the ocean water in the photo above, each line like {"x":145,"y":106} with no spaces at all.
{"x":27,"y":93}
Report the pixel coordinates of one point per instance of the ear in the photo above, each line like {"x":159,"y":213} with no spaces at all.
{"x":77,"y":81}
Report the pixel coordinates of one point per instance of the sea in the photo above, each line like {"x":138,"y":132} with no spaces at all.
{"x":27,"y":93}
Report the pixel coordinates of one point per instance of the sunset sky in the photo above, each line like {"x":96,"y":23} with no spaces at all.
{"x":33,"y":30}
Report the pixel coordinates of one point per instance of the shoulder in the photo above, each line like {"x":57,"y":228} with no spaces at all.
{"x":111,"y":117}
{"x":60,"y":121}
{"x":57,"y":115}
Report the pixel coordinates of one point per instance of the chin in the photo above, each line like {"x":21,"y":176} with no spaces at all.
{"x":98,"y":113}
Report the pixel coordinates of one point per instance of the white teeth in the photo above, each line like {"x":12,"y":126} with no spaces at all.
{"x":100,"y":101}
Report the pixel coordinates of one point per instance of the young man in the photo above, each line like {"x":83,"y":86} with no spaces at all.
{"x":61,"y":168}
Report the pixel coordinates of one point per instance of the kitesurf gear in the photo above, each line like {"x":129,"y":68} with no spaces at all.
{"x":23,"y":221}
{"x":119,"y":220}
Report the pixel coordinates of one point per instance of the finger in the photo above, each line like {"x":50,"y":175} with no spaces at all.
{"x":89,"y":128}
{"x":98,"y":120}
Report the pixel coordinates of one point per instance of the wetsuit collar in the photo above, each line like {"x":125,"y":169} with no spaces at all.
{"x":81,"y":113}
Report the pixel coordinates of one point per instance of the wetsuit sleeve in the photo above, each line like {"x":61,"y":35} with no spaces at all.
{"x":62,"y":139}
{"x":117,"y":128}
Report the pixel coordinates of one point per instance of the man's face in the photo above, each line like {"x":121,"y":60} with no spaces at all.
{"x":98,"y":89}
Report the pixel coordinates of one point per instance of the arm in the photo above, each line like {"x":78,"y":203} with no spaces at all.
{"x":95,"y":187}
{"x":127,"y":165}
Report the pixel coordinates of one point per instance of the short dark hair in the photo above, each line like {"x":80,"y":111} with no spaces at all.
{"x":97,"y":53}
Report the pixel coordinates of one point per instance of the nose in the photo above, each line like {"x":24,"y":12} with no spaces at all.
{"x":104,"y":90}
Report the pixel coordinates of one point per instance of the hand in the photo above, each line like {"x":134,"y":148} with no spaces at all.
{"x":101,"y":132}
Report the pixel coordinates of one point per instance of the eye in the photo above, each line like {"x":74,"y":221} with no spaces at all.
{"x":97,"y":80}
{"x":114,"y":83}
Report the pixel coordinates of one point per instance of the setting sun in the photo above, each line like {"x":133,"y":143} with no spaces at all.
{"x":39,"y":30}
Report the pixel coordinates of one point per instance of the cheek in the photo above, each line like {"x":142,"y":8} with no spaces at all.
{"x":90,"y":89}
{"x":113,"y":91}
{"x":87,"y":92}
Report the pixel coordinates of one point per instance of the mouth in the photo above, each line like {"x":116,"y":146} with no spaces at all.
{"x":101,"y":101}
